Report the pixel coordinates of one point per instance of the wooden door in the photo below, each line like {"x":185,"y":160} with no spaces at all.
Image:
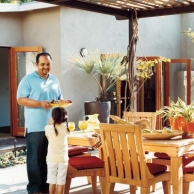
{"x":21,"y":63}
{"x":180,"y":65}
{"x":172,"y":85}
{"x":158,"y":78}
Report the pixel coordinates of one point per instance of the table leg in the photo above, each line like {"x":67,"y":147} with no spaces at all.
{"x":177,"y":175}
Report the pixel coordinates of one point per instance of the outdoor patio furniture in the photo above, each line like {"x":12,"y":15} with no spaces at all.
{"x":188,"y":173}
{"x":77,"y":151}
{"x":86,"y":166}
{"x":188,"y":167}
{"x":125,"y":161}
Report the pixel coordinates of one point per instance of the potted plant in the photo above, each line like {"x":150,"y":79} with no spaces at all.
{"x":180,"y":115}
{"x":106,"y":69}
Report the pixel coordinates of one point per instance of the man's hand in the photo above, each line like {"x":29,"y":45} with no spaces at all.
{"x":45,"y":104}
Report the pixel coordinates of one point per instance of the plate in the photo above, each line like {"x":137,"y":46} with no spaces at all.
{"x":61,"y":104}
{"x":159,"y":136}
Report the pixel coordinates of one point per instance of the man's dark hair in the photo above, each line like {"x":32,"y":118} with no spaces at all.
{"x":42,"y":54}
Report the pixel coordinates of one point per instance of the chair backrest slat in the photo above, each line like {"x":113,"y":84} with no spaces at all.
{"x":118,"y":154}
{"x":111,"y":157}
{"x":127,"y":159}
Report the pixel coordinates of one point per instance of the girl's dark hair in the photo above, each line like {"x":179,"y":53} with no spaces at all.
{"x":59,"y":115}
{"x":42,"y":54}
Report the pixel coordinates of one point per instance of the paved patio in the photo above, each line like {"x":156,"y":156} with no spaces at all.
{"x":14,"y":179}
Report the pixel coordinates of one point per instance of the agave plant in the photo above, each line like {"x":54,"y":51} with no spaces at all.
{"x":109,"y":66}
{"x":112,"y":67}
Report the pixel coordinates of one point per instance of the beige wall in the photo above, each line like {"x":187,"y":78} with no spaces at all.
{"x":160,"y":36}
{"x":42,"y":28}
{"x":10,"y":29}
{"x":93,"y":31}
{"x":63,"y":31}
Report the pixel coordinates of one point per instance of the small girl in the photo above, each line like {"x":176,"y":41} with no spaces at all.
{"x":57,"y":155}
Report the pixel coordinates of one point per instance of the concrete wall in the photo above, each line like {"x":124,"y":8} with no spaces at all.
{"x":187,"y":47}
{"x":160,"y":36}
{"x":11,"y":29}
{"x":93,"y":31}
{"x":64,"y":31}
{"x":42,"y":28}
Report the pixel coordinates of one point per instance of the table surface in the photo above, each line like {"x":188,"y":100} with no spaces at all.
{"x":82,"y":138}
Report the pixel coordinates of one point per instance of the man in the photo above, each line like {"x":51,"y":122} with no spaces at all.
{"x":35,"y":91}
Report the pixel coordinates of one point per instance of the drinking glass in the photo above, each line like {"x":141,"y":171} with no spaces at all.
{"x":83,"y":125}
{"x":71,"y":126}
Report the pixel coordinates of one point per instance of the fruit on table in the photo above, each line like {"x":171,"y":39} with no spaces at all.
{"x":146,"y":131}
{"x":157,"y":131}
{"x":166,"y":130}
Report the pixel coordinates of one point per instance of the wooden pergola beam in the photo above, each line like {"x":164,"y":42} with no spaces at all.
{"x":166,"y":11}
{"x":123,"y":11}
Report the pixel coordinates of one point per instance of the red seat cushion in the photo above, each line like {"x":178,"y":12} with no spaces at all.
{"x":161,"y":155}
{"x":86,"y":162}
{"x":188,"y":162}
{"x":156,"y":168}
{"x":76,"y":150}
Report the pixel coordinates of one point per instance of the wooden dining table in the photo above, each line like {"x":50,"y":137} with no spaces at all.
{"x":82,"y":138}
{"x":174,"y":147}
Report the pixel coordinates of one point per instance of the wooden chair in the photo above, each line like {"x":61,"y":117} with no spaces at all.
{"x":86,"y":166}
{"x":125,"y":161}
{"x":189,"y":175}
{"x":135,"y":116}
{"x":188,"y":167}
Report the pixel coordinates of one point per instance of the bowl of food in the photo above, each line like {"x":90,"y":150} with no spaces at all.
{"x":61,"y":103}
{"x":164,"y":133}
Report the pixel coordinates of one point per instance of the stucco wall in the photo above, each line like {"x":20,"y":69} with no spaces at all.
{"x":63,"y":31}
{"x":160,"y":36}
{"x":187,"y":47}
{"x":10,"y":29}
{"x":42,"y":28}
{"x":93,"y":31}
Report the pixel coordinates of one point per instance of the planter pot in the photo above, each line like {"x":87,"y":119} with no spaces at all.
{"x":188,"y":128}
{"x":174,"y":123}
{"x":101,"y":108}
{"x":178,"y":123}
